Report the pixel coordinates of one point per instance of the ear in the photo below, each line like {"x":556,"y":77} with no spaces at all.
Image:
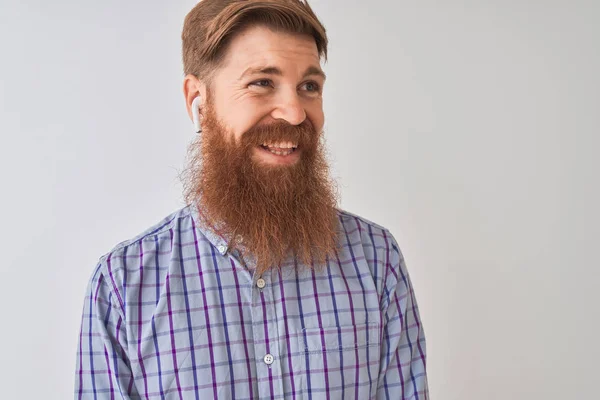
{"x":192,"y":88}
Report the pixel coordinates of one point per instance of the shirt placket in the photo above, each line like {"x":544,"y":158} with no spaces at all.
{"x":264,"y":323}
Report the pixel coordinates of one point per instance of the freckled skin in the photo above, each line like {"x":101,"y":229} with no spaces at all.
{"x":261,"y":99}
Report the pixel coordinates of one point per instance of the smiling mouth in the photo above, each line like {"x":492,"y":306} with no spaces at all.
{"x":280,"y":149}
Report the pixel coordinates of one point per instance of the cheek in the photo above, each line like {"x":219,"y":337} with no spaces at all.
{"x":317,"y":117}
{"x":243,"y":122}
{"x":239,"y":119}
{"x":242,"y":116}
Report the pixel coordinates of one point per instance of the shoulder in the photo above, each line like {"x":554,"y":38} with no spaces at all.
{"x":369,"y":232}
{"x":349,"y":219}
{"x":370,"y":240}
{"x":122,"y":266}
{"x":156,"y":230}
{"x":377,"y":246}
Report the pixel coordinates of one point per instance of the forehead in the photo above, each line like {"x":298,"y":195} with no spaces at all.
{"x":259,"y":45}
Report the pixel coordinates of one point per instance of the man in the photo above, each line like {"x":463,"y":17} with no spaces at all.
{"x":260,"y":287}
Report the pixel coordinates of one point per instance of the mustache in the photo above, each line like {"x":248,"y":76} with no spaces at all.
{"x":305,"y":135}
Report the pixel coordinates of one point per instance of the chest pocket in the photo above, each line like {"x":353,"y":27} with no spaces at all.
{"x":339,"y":362}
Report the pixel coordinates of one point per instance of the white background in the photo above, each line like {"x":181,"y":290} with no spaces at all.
{"x":469,"y":129}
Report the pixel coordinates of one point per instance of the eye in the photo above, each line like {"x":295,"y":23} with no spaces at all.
{"x":312,"y":86}
{"x":262,"y":83}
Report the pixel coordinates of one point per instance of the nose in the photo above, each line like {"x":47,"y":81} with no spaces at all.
{"x":289,"y":108}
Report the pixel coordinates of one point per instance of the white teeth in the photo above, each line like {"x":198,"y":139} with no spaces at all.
{"x":284,"y":145}
{"x":281,"y":145}
{"x":281,"y":153}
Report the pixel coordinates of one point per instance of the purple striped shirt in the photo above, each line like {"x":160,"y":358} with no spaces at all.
{"x":173,"y":314}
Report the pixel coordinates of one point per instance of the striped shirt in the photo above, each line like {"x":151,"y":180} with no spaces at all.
{"x":173,"y":314}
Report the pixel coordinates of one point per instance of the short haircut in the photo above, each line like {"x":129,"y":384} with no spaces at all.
{"x":210,"y":26}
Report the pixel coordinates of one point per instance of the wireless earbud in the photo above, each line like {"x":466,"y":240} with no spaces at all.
{"x":196,"y":114}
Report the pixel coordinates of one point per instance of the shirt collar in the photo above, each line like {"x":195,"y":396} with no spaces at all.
{"x":218,"y":241}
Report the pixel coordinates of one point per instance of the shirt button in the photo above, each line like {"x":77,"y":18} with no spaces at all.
{"x":260,"y":283}
{"x":222,"y":249}
{"x":268,"y":359}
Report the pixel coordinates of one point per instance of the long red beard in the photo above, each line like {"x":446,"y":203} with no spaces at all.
{"x":276,"y":211}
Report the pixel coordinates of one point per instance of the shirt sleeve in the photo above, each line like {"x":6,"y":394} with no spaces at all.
{"x":403,"y":359}
{"x":103,"y":370}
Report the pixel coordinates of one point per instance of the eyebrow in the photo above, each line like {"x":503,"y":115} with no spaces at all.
{"x":270,"y":70}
